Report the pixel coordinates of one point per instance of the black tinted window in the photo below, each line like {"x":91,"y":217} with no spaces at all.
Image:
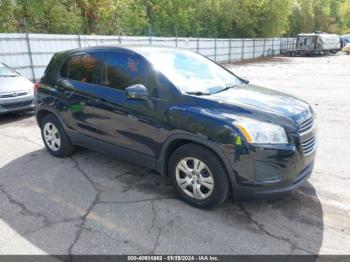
{"x":121,"y":70}
{"x":85,"y":68}
{"x":64,"y":69}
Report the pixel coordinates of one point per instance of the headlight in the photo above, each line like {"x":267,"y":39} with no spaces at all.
{"x":257,"y":132}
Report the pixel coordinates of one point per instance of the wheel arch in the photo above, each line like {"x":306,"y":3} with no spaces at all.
{"x":44,"y":111}
{"x":175,"y":141}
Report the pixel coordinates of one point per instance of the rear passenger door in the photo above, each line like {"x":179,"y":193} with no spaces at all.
{"x":80,"y":75}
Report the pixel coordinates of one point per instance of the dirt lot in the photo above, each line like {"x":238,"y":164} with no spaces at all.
{"x":94,"y":204}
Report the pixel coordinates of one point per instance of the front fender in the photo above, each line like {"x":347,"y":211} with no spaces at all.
{"x":204,"y":123}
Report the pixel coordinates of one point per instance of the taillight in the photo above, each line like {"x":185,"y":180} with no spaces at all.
{"x":36,"y":86}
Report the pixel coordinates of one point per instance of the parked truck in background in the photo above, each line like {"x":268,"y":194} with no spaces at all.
{"x":316,"y":44}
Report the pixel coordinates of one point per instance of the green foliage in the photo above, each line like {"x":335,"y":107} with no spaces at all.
{"x":204,"y":18}
{"x":7,"y":18}
{"x":331,"y":16}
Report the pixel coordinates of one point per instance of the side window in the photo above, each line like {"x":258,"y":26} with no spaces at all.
{"x":159,"y":85}
{"x":85,"y":68}
{"x":64,"y":69}
{"x":121,"y":70}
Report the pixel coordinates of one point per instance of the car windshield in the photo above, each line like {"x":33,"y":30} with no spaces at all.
{"x":191,"y":72}
{"x":6,"y":71}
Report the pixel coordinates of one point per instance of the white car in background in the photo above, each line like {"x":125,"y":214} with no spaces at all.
{"x":16,"y":92}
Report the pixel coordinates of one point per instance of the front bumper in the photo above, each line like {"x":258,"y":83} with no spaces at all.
{"x":273,"y":191}
{"x":265,"y":172}
{"x":23,"y":103}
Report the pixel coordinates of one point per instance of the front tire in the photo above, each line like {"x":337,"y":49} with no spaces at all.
{"x":199,"y":176}
{"x":55,"y":138}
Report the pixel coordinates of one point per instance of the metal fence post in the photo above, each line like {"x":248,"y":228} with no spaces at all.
{"x":229,"y":50}
{"x":264,"y":47}
{"x":175,"y":36}
{"x":29,"y":49}
{"x":215,"y":48}
{"x":254,"y":48}
{"x":198,"y":44}
{"x":120,"y":39}
{"x":197,"y":40}
{"x":281,"y":46}
{"x":242,"y":57}
{"x":288,"y":43}
{"x":150,"y":35}
{"x":79,"y":41}
{"x":272,"y":51}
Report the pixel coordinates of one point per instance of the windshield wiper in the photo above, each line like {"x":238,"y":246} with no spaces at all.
{"x":224,"y":89}
{"x":198,"y":93}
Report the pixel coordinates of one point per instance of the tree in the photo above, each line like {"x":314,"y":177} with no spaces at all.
{"x":167,"y":18}
{"x":7,"y":19}
{"x":206,"y":18}
{"x":91,"y":11}
{"x":344,"y":17}
{"x":50,"y":16}
{"x":330,"y":16}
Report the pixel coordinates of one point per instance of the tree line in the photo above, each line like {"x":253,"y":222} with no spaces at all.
{"x":203,"y":18}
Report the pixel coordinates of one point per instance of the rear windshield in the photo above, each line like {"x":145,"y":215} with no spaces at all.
{"x":6,"y":71}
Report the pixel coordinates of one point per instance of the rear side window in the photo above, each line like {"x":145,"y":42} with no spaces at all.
{"x":83,"y":68}
{"x":121,"y":70}
{"x":64,"y":69}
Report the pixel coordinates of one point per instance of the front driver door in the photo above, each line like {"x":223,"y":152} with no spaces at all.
{"x":133,"y":124}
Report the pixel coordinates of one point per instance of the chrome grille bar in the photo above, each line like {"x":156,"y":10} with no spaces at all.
{"x":308,"y":144}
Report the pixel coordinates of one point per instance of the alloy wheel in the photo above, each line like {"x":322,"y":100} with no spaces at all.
{"x":52,"y":136}
{"x":194,"y":178}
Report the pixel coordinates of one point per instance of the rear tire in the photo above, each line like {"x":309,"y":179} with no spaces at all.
{"x":199,"y":176}
{"x":55,"y":138}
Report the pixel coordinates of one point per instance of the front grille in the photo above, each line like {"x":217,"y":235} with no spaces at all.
{"x":308,"y":142}
{"x":309,"y":145}
{"x":17,"y":105}
{"x":13,"y":95}
{"x":306,"y":125}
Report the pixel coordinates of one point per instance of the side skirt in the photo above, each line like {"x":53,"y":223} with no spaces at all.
{"x":113,"y":150}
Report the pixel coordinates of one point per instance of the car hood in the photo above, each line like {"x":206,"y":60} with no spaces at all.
{"x":15,"y":84}
{"x":264,"y":100}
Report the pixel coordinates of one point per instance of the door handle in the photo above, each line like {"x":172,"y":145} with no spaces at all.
{"x":67,"y":93}
{"x":132,"y":116}
{"x":99,"y":100}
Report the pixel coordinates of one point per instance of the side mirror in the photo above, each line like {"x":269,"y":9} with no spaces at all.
{"x":62,"y":83}
{"x":137,"y":92}
{"x":244,"y":80}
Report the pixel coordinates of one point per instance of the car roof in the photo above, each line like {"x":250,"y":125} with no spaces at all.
{"x":140,"y":49}
{"x":317,"y":34}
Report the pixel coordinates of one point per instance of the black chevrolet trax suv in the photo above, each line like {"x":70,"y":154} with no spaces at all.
{"x":179,"y":113}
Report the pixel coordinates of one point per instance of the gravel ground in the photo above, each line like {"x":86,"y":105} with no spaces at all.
{"x":94,"y":204}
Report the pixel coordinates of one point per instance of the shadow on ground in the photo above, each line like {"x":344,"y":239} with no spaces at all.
{"x":14,"y":117}
{"x":94,"y":204}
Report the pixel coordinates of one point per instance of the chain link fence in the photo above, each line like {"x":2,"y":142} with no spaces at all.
{"x":29,"y":54}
